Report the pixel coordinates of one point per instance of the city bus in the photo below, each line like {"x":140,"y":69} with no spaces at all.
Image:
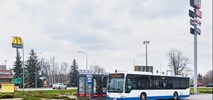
{"x":146,"y":86}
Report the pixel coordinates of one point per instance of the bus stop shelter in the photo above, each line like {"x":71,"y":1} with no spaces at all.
{"x":92,"y":86}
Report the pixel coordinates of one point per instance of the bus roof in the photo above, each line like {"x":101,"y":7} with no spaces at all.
{"x":148,"y":73}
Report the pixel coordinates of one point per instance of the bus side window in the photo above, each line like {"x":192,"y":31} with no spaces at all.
{"x":133,"y":85}
{"x":128,"y":85}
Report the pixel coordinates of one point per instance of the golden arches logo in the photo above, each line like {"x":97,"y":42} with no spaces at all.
{"x":17,"y":42}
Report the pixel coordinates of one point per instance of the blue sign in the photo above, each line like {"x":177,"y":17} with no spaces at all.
{"x":89,"y":80}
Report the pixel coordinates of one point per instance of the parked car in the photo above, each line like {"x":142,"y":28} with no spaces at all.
{"x":209,"y":85}
{"x":198,"y":85}
{"x":59,"y":86}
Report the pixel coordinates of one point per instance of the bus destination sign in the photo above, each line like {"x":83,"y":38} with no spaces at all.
{"x":116,"y":75}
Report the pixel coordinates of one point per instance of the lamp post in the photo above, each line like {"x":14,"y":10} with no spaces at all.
{"x":146,"y":42}
{"x":86,"y":57}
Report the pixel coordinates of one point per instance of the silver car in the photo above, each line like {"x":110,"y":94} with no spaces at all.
{"x":59,"y":86}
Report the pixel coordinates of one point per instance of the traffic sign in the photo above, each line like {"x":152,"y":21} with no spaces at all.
{"x":197,"y":22}
{"x":197,"y":4}
{"x":191,"y":14}
{"x":197,"y":30}
{"x":18,"y":81}
{"x":89,"y":79}
{"x":191,"y":30}
{"x":198,"y":13}
{"x":192,"y":22}
{"x":192,"y":3}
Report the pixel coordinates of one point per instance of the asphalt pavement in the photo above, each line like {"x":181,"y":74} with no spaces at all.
{"x":200,"y":97}
{"x":38,"y":89}
{"x":192,"y":97}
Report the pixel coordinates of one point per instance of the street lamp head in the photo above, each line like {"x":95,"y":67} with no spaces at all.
{"x":86,"y":57}
{"x":145,"y":42}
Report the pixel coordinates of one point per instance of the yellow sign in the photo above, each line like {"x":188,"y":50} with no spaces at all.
{"x":17,"y":42}
{"x":7,"y":88}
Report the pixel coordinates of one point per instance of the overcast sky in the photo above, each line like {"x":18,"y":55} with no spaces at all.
{"x":111,"y":32}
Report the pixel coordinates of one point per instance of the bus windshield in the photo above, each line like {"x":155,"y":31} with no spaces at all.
{"x":115,"y":83}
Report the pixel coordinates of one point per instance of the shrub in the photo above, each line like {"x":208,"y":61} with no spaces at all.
{"x":62,"y":92}
{"x":7,"y":95}
{"x":211,"y":92}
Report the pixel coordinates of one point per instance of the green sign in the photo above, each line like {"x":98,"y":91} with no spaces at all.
{"x":18,"y":81}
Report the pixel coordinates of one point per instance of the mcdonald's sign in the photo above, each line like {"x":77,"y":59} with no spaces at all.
{"x":17,"y":42}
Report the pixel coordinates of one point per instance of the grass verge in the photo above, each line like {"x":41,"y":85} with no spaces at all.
{"x":38,"y":95}
{"x":203,"y":90}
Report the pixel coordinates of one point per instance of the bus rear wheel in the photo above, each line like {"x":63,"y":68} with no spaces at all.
{"x":143,"y":96}
{"x":175,"y":96}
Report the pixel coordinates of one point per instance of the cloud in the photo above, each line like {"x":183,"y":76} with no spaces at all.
{"x":110,"y":32}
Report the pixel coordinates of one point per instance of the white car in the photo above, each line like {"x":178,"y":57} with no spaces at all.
{"x":59,"y":86}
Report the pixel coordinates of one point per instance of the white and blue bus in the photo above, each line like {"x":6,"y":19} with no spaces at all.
{"x":146,"y":86}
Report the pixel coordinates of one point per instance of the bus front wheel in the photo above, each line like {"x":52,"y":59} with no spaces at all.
{"x":143,"y":96}
{"x":175,"y":96}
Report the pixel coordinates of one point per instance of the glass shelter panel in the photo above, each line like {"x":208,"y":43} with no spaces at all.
{"x":81,"y":86}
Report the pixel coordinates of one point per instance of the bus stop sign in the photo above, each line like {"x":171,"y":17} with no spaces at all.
{"x":89,"y":79}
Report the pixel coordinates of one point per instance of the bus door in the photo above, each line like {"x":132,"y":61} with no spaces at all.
{"x":104,"y":86}
{"x":97,"y":86}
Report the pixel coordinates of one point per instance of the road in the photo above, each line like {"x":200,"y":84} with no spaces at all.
{"x":38,"y":89}
{"x":192,"y":97}
{"x":200,"y":97}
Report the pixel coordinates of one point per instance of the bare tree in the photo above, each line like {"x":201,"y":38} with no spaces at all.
{"x":188,"y":71}
{"x":208,"y":77}
{"x":177,"y":62}
{"x":97,"y":69}
{"x":46,"y":70}
{"x":52,"y":64}
{"x":64,"y":71}
{"x":56,"y":73}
